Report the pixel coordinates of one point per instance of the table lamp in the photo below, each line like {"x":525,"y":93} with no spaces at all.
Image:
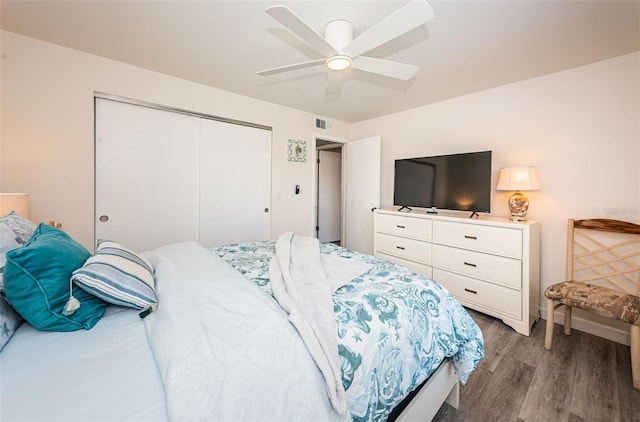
{"x":18,"y":202}
{"x":518,"y":179}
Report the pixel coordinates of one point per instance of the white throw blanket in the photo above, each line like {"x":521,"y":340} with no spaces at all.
{"x":300,"y":283}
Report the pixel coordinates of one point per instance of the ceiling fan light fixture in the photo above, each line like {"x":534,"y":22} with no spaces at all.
{"x":338,"y":47}
{"x":338,"y":62}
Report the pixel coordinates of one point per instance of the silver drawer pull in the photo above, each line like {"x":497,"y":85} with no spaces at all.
{"x":470,"y":264}
{"x":470,"y":291}
{"x":466,"y":236}
{"x":399,"y":226}
{"x":400,"y":247}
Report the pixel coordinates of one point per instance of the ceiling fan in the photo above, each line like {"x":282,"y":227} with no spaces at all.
{"x":341,"y":51}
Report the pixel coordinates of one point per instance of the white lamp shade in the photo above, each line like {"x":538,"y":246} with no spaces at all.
{"x":518,"y":178}
{"x":18,"y":202}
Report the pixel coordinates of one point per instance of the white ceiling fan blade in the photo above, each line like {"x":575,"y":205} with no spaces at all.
{"x":387,"y":68}
{"x":286,"y":68}
{"x":333,"y":85}
{"x":299,"y":27}
{"x":400,"y":22}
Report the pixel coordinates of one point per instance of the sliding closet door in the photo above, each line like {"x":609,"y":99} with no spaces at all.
{"x":146,"y":175}
{"x":235,"y":183}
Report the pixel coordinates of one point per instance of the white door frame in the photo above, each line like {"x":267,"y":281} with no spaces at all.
{"x":314,"y":208}
{"x":325,"y":194}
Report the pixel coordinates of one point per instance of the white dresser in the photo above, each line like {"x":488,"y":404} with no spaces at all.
{"x":489,"y":264}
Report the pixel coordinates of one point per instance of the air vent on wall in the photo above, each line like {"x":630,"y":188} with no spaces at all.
{"x":323,"y":124}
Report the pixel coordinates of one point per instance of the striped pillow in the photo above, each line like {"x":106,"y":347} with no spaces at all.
{"x":117,"y":275}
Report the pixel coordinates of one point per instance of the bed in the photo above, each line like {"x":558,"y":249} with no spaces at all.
{"x":221,"y":342}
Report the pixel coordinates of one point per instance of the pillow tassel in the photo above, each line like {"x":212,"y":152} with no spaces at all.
{"x":148,"y":310}
{"x":72,"y":304}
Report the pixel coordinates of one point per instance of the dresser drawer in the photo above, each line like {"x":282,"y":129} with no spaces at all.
{"x":496,"y":240}
{"x":425,"y":270}
{"x":489,"y":296}
{"x":493,"y":268}
{"x":411,"y":227}
{"x":412,"y":250}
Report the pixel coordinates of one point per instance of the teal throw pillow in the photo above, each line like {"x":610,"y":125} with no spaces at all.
{"x":37,"y":281}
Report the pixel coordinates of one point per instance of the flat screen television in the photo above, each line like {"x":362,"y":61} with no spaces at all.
{"x":453,"y":182}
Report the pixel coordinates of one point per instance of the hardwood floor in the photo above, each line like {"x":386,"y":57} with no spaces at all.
{"x":583,"y":378}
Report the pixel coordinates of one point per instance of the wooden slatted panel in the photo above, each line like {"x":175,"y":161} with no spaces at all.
{"x":617,"y":263}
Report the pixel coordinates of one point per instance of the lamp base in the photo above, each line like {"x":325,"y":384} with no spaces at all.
{"x":518,"y":205}
{"x":517,"y":218}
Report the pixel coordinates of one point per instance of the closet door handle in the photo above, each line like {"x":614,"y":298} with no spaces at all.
{"x":466,"y":236}
{"x":399,"y":226}
{"x":470,"y":264}
{"x":470,"y":291}
{"x":400,"y":247}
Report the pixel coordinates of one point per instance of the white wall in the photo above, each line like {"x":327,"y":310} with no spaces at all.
{"x":47,"y":130}
{"x":580,"y":128}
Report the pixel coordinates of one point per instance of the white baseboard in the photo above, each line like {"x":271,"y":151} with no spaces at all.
{"x":601,"y":327}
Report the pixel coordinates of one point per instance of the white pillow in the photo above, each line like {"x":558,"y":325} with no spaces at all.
{"x":21,"y":226}
{"x":7,"y":242}
{"x":119,"y":276}
{"x":9,"y":318}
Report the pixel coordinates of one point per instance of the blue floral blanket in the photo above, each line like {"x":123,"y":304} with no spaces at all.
{"x":394,"y":327}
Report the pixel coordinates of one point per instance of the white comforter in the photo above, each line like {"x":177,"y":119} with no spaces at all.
{"x":225,"y":349}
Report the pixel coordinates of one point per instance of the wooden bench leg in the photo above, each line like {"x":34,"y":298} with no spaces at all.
{"x":635,"y":356}
{"x":567,"y":320}
{"x":548,"y":334}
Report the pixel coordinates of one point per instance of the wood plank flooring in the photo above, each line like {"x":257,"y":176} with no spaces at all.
{"x":583,"y":378}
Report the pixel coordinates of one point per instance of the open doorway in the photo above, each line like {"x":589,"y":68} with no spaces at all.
{"x":329,"y":191}
{"x":359,"y":181}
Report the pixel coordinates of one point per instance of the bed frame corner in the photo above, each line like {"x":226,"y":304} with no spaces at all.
{"x":442,"y":386}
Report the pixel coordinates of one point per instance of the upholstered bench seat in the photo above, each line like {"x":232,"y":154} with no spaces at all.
{"x":599,"y":300}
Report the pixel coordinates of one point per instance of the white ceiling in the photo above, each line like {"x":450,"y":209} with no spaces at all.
{"x":468,"y":46}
